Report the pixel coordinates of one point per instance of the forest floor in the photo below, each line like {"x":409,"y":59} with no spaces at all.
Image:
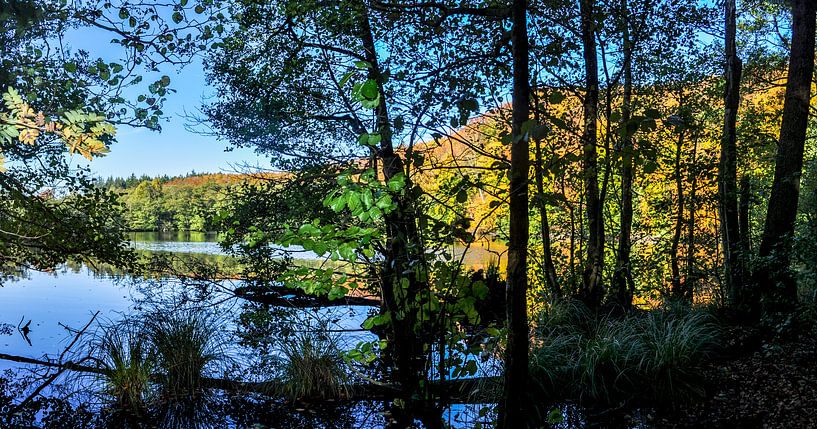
{"x":772,"y":386}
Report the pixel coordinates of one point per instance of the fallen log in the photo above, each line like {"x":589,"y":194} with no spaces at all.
{"x":288,"y":297}
{"x":469,"y":390}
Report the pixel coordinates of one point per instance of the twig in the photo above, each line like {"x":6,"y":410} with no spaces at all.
{"x":62,"y":367}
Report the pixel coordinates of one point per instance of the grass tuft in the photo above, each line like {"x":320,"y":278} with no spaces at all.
{"x":125,"y":354}
{"x":594,"y":359}
{"x":314,"y":368}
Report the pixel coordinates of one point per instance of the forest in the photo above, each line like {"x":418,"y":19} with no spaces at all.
{"x":475,"y":214}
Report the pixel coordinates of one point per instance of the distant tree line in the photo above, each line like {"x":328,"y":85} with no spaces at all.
{"x":179,"y":203}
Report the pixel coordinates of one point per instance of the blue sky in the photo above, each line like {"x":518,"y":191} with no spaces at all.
{"x":174,"y":150}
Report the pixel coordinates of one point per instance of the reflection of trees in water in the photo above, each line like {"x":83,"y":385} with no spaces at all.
{"x":227,"y":411}
{"x":299,"y":350}
{"x":152,"y":365}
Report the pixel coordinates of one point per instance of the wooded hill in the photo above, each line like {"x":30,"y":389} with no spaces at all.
{"x":177,"y":203}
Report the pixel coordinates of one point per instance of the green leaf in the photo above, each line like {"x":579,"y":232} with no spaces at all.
{"x":369,"y":89}
{"x":469,"y":104}
{"x":397,"y":182}
{"x":652,"y":113}
{"x":177,"y":17}
{"x":462,"y":196}
{"x":345,"y":79}
{"x":70,"y":67}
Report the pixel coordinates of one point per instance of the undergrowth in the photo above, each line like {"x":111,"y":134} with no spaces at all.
{"x":595,"y":359}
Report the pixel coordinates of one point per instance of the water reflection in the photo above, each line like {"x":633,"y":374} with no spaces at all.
{"x":157,"y":351}
{"x":170,"y":352}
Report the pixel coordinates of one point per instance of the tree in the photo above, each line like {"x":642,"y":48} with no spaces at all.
{"x":592,"y":289}
{"x":622,"y":283}
{"x":728,"y":183}
{"x":513,"y":407}
{"x":58,"y":102}
{"x":778,"y":288}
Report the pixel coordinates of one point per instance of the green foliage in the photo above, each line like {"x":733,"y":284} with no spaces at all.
{"x":191,"y":203}
{"x":654,"y":356}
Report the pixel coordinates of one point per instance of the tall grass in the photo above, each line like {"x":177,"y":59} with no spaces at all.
{"x":188,"y":346}
{"x":313,"y":368}
{"x":124,"y":352}
{"x":154,"y":367}
{"x":599,"y":359}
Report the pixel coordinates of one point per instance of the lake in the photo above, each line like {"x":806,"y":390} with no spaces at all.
{"x":41,"y":313}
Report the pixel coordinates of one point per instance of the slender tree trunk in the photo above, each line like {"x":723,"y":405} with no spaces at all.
{"x":592,"y":291}
{"x":622,"y":286}
{"x":743,"y":213}
{"x":727,"y":181}
{"x":551,"y":280}
{"x":691,"y":276}
{"x":514,"y":403}
{"x":777,"y":286}
{"x":547,"y":253}
{"x":572,"y":255}
{"x":403,"y":250}
{"x":677,"y":286}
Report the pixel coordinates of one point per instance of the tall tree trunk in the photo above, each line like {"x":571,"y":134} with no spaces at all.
{"x":592,"y":290}
{"x":691,"y":275}
{"x":677,"y":286}
{"x":727,"y":180}
{"x":551,"y":280}
{"x":622,"y":286}
{"x":572,"y":253}
{"x":743,"y":213}
{"x":777,"y":286}
{"x":403,"y":250}
{"x":514,"y":403}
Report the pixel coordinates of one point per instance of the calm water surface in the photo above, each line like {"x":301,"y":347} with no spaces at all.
{"x":69,"y":297}
{"x":56,"y":304}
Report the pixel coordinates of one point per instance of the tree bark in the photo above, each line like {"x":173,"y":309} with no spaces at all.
{"x":727,"y":180}
{"x":743,"y":213}
{"x":622,"y":283}
{"x":777,"y":286}
{"x":551,"y":279}
{"x":592,"y":289}
{"x":513,"y":407}
{"x":403,"y":250}
{"x":677,"y":285}
{"x":691,"y":275}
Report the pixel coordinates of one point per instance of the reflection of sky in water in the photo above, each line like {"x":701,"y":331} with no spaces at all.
{"x":48,"y":299}
{"x":205,"y":248}
{"x":70,"y":297}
